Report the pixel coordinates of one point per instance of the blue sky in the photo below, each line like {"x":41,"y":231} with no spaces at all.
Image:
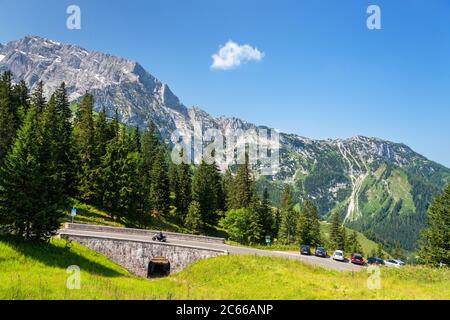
{"x":323,"y":74}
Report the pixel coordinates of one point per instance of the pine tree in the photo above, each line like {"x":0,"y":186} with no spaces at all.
{"x":31,"y":189}
{"x":206,"y":190}
{"x":159,"y":189}
{"x":343,"y":238}
{"x":173,"y":177}
{"x":312,"y":213}
{"x":353,"y":245}
{"x":337,"y":233}
{"x":268,"y":219}
{"x":115,"y":124}
{"x":83,"y":137}
{"x":183,"y":193}
{"x":102,"y":134}
{"x":243,"y":187}
{"x":150,"y":146}
{"x":62,"y":134}
{"x":21,"y":94}
{"x":219,"y":192}
{"x":255,"y":227}
{"x":302,"y":230}
{"x":380,"y":252}
{"x":8,"y":125}
{"x":308,"y":225}
{"x":193,"y":220}
{"x":286,"y":231}
{"x":135,"y":140}
{"x":120,"y":179}
{"x":109,"y":173}
{"x":435,"y":242}
{"x":398,"y":252}
{"x":38,"y":97}
{"x":227,"y":187}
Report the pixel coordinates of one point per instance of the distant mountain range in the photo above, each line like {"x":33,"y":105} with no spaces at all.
{"x":379,"y":187}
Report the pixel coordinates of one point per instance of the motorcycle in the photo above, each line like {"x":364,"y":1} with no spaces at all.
{"x":159,"y":237}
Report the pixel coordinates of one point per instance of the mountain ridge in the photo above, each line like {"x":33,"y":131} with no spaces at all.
{"x":371,"y":182}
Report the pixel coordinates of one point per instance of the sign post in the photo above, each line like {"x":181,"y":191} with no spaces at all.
{"x":73,"y":213}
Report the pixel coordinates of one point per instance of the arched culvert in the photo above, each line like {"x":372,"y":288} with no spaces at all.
{"x":158,"y":267}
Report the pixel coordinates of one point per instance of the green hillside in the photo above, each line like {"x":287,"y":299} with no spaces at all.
{"x":31,"y":271}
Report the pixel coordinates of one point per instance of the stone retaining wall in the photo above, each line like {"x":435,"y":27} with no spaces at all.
{"x":135,"y":255}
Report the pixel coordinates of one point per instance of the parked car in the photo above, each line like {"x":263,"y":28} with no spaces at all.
{"x":305,"y":250}
{"x":394,"y":263}
{"x":357,"y":258}
{"x":338,"y":255}
{"x":375,"y":261}
{"x":321,"y":252}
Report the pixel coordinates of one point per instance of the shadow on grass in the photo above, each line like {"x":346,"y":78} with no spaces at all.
{"x":55,"y":256}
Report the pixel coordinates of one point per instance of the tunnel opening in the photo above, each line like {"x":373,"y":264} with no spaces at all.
{"x":158,"y":267}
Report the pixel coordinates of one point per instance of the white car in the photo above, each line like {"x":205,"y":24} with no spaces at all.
{"x":338,"y":255}
{"x":394,"y":263}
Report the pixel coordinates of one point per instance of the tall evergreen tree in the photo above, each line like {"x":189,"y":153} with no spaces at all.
{"x":159,"y":189}
{"x":380,"y":252}
{"x":83,"y":135}
{"x":268,"y":219}
{"x":337,"y":233}
{"x":150,"y":146}
{"x":302,"y":232}
{"x":286,"y":231}
{"x":243,"y":187}
{"x":435,"y":242}
{"x":255,"y":227}
{"x":183,"y":193}
{"x":62,"y":134}
{"x":398,"y":252}
{"x":8,"y":125}
{"x":31,"y":189}
{"x":115,"y":184}
{"x":308,"y":225}
{"x":173,"y":177}
{"x":102,"y":136}
{"x":135,"y":140}
{"x":227,"y":187}
{"x":193,"y":220}
{"x":312,"y":213}
{"x":38,"y":97}
{"x":21,"y":93}
{"x":206,"y":190}
{"x":353,"y":245}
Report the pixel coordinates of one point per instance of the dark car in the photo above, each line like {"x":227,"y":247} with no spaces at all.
{"x":321,"y":252}
{"x":375,"y":261}
{"x":357,"y":258}
{"x":306,"y":250}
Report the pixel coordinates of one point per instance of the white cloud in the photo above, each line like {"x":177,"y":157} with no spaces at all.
{"x":232,"y":55}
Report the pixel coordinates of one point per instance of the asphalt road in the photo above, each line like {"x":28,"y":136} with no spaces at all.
{"x":327,"y":263}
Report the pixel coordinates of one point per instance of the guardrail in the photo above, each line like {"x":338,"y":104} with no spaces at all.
{"x":142,"y":232}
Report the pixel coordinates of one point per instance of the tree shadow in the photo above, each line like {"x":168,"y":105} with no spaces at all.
{"x":55,"y":256}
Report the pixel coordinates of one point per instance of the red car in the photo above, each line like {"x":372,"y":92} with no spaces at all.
{"x":358,"y":259}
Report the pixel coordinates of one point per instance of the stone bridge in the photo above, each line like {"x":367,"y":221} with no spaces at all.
{"x":137,"y":253}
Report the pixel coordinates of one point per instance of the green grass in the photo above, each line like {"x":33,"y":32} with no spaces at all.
{"x":33,"y":271}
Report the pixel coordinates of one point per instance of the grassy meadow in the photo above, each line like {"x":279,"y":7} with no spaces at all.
{"x":38,"y":271}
